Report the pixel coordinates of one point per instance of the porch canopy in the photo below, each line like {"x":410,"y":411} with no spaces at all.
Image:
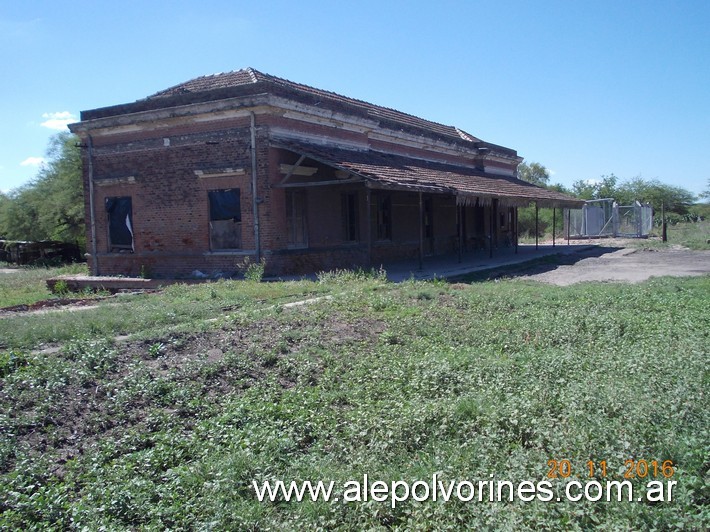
{"x":380,"y":170}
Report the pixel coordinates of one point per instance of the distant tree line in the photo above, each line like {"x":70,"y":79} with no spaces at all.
{"x":51,"y":206}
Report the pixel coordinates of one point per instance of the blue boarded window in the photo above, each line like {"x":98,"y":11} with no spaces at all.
{"x":225,"y":219}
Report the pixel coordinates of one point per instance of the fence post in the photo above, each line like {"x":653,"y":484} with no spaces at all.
{"x":664,"y":229}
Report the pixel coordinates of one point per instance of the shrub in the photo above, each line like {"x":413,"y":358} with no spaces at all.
{"x":252,"y":271}
{"x":60,"y":288}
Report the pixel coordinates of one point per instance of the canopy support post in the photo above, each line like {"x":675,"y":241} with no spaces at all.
{"x":536,"y":225}
{"x":421,"y":231}
{"x":554,"y":225}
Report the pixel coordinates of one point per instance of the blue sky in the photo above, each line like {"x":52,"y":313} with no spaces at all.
{"x":587,"y":88}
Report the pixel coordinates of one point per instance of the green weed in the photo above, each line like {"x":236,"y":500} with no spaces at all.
{"x":396,"y":381}
{"x":27,"y":285}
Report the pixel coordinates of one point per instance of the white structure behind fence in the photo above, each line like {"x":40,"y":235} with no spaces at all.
{"x":605,"y":217}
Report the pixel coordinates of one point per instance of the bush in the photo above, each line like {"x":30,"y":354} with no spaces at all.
{"x":252,"y":271}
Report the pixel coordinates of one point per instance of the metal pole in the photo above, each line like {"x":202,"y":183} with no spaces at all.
{"x":491,"y":223}
{"x":460,"y":212}
{"x":515,"y":220}
{"x":569,"y":211}
{"x":554,"y":225}
{"x":664,"y":227}
{"x":254,"y":191}
{"x":368,"y":223}
{"x":421,"y":232}
{"x":92,"y":214}
{"x":536,"y":226}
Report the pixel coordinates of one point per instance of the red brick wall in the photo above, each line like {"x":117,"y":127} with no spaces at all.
{"x":170,"y":204}
{"x":171,"y":208}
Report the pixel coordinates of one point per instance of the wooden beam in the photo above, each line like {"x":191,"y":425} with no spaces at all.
{"x":290,"y":172}
{"x":320,"y":183}
{"x":307,"y":171}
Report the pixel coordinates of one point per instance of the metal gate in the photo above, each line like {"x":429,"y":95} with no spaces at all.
{"x":605,"y":217}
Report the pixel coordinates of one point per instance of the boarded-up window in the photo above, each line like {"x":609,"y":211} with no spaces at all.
{"x":351,"y":225}
{"x":120,"y":224}
{"x":225,"y":219}
{"x":296,"y":220}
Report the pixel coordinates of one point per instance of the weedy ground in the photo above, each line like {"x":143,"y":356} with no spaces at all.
{"x":25,"y":286}
{"x":210,"y":387}
{"x":690,"y":235}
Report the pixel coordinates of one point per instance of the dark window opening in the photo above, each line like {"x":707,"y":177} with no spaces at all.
{"x":120,"y":225}
{"x":225,"y":219}
{"x":351,"y":226}
{"x":384,"y":217}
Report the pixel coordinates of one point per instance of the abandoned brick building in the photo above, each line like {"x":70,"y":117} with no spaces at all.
{"x":245,"y":164}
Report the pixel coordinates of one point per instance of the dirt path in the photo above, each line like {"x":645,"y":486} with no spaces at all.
{"x":626,"y":265}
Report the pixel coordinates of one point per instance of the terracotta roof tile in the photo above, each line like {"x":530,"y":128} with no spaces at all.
{"x":399,"y":172}
{"x":249,"y":76}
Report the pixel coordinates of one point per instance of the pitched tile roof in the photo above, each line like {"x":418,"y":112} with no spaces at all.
{"x":249,"y":76}
{"x":387,"y":170}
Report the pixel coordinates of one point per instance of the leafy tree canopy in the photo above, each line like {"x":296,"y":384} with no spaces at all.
{"x":534,"y":173}
{"x":51,"y":206}
{"x":705,"y":194}
{"x":675,"y":199}
{"x":597,"y":188}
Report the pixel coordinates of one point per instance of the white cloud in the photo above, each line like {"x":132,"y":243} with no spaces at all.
{"x":33,"y":161}
{"x":58,"y":120}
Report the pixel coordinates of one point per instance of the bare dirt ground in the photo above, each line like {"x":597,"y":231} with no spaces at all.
{"x":607,"y":263}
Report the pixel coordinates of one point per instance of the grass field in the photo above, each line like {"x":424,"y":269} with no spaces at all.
{"x":691,"y":235}
{"x":221,"y":384}
{"x":25,"y":286}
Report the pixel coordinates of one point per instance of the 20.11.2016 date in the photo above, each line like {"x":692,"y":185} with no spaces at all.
{"x":632,"y":468}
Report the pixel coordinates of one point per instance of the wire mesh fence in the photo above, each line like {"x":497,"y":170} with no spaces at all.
{"x":605,"y":217}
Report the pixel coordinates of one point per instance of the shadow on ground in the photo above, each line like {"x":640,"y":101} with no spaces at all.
{"x":535,"y":266}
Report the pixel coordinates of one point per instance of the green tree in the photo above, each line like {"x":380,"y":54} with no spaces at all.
{"x":51,"y":206}
{"x":534,"y":173}
{"x":537,"y":174}
{"x":19,"y":215}
{"x":705,"y":194}
{"x":596,"y":189}
{"x":559,"y":187}
{"x":675,"y":199}
{"x":4,"y":205}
